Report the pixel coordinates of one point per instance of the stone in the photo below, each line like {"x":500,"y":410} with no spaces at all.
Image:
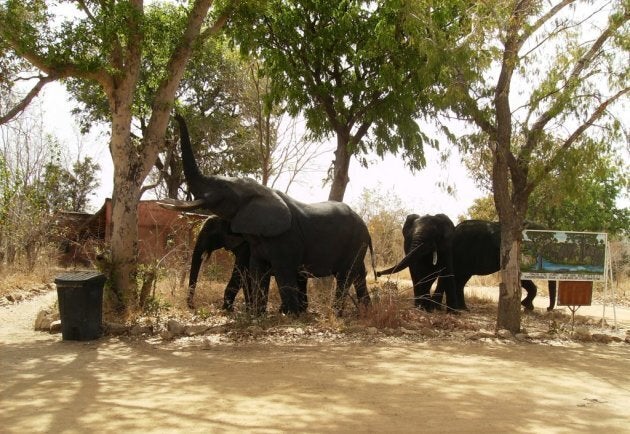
{"x":197,"y":329}
{"x":601,"y":338}
{"x":505,"y":334}
{"x":43,"y":320}
{"x":115,"y":329}
{"x":55,"y":327}
{"x":582,"y":334}
{"x":371,"y":330}
{"x":482,"y":334}
{"x":175,"y":327}
{"x":139,"y":329}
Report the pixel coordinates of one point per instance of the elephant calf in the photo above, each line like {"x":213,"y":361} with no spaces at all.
{"x":216,"y":234}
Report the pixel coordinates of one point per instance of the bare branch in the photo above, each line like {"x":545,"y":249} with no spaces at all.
{"x":541,"y":21}
{"x":19,"y":108}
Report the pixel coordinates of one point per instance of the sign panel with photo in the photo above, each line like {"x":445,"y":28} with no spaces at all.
{"x":561,"y":255}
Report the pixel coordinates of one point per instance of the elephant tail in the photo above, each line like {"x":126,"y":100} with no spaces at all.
{"x":372,"y":258}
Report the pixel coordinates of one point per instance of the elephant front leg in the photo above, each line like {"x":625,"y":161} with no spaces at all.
{"x":257,"y":287}
{"x":233,"y":287}
{"x":422,"y":282}
{"x":293,"y":301}
{"x":531,"y":289}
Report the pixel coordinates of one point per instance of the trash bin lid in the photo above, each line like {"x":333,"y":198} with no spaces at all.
{"x":76,"y":277}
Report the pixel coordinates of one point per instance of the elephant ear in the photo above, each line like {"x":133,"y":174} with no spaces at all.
{"x":266,"y":215}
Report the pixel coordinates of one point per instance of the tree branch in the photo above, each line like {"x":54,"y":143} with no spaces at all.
{"x":27,"y":99}
{"x":597,"y":114}
{"x":571,"y":83}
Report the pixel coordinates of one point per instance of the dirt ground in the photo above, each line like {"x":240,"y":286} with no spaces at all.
{"x":379,"y":383}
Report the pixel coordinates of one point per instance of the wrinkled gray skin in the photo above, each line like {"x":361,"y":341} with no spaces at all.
{"x":215,"y":234}
{"x":286,"y":237}
{"x":476,"y":252}
{"x":428,"y":245}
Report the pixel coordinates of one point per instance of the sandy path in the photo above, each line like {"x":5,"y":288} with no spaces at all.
{"x":114,"y":385}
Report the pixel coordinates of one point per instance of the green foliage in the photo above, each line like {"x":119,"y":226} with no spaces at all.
{"x":358,"y":69}
{"x":581,"y":193}
{"x":213,"y":100}
{"x":482,"y":209}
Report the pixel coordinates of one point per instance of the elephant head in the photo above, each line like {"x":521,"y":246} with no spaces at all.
{"x":426,"y":238}
{"x":428,"y":255}
{"x":249,"y":207}
{"x":215,"y":234}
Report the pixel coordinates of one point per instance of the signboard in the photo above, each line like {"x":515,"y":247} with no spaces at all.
{"x":575,"y":293}
{"x":560,"y":255}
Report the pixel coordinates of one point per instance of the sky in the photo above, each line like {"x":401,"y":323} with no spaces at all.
{"x":419,"y":192}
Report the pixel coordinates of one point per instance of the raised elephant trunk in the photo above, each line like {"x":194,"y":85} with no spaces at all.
{"x":191,"y":171}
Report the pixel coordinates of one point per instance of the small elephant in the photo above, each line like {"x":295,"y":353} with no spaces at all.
{"x":285,"y":236}
{"x":476,"y":252}
{"x":428,"y":244}
{"x":216,"y":234}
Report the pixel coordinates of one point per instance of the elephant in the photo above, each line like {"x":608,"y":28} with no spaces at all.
{"x":476,"y":246}
{"x":428,"y":244}
{"x":215,"y":234}
{"x":286,"y":237}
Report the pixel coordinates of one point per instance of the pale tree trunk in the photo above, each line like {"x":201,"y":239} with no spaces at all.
{"x":511,"y":206}
{"x":341,"y":166}
{"x":132,"y":162}
{"x":125,"y":198}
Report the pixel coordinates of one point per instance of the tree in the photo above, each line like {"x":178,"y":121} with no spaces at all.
{"x":580,"y":194}
{"x":105,"y":42}
{"x":360,"y":70}
{"x":551,"y":60}
{"x":34,"y":186}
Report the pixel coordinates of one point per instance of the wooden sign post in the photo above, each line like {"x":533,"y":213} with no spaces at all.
{"x":573,"y":294}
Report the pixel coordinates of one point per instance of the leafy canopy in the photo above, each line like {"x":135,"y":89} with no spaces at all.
{"x":362,"y":70}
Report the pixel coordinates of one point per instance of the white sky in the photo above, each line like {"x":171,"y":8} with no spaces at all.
{"x":419,"y":192}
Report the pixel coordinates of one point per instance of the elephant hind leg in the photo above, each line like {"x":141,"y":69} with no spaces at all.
{"x":551,"y":285}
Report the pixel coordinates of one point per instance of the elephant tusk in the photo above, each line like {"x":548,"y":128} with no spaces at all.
{"x":181,"y":205}
{"x":435,"y":258}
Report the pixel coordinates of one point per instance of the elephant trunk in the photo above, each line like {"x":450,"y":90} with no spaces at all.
{"x":195,"y":266}
{"x":404,"y":262}
{"x":191,"y":170}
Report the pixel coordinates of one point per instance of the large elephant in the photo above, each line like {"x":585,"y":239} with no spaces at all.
{"x":476,"y":247}
{"x":286,"y":237}
{"x":216,"y":234}
{"x":428,"y":244}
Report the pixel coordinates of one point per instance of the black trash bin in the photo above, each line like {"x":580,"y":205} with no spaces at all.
{"x":80,"y":295}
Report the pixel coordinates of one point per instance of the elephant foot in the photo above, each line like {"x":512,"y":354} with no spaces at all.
{"x":228,"y":307}
{"x":191,"y":304}
{"x":550,"y":309}
{"x":453,"y":311}
{"x":527,"y":305}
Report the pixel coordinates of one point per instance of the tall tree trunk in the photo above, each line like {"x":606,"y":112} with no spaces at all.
{"x":125,"y":198}
{"x":341,"y":166}
{"x":509,"y":310}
